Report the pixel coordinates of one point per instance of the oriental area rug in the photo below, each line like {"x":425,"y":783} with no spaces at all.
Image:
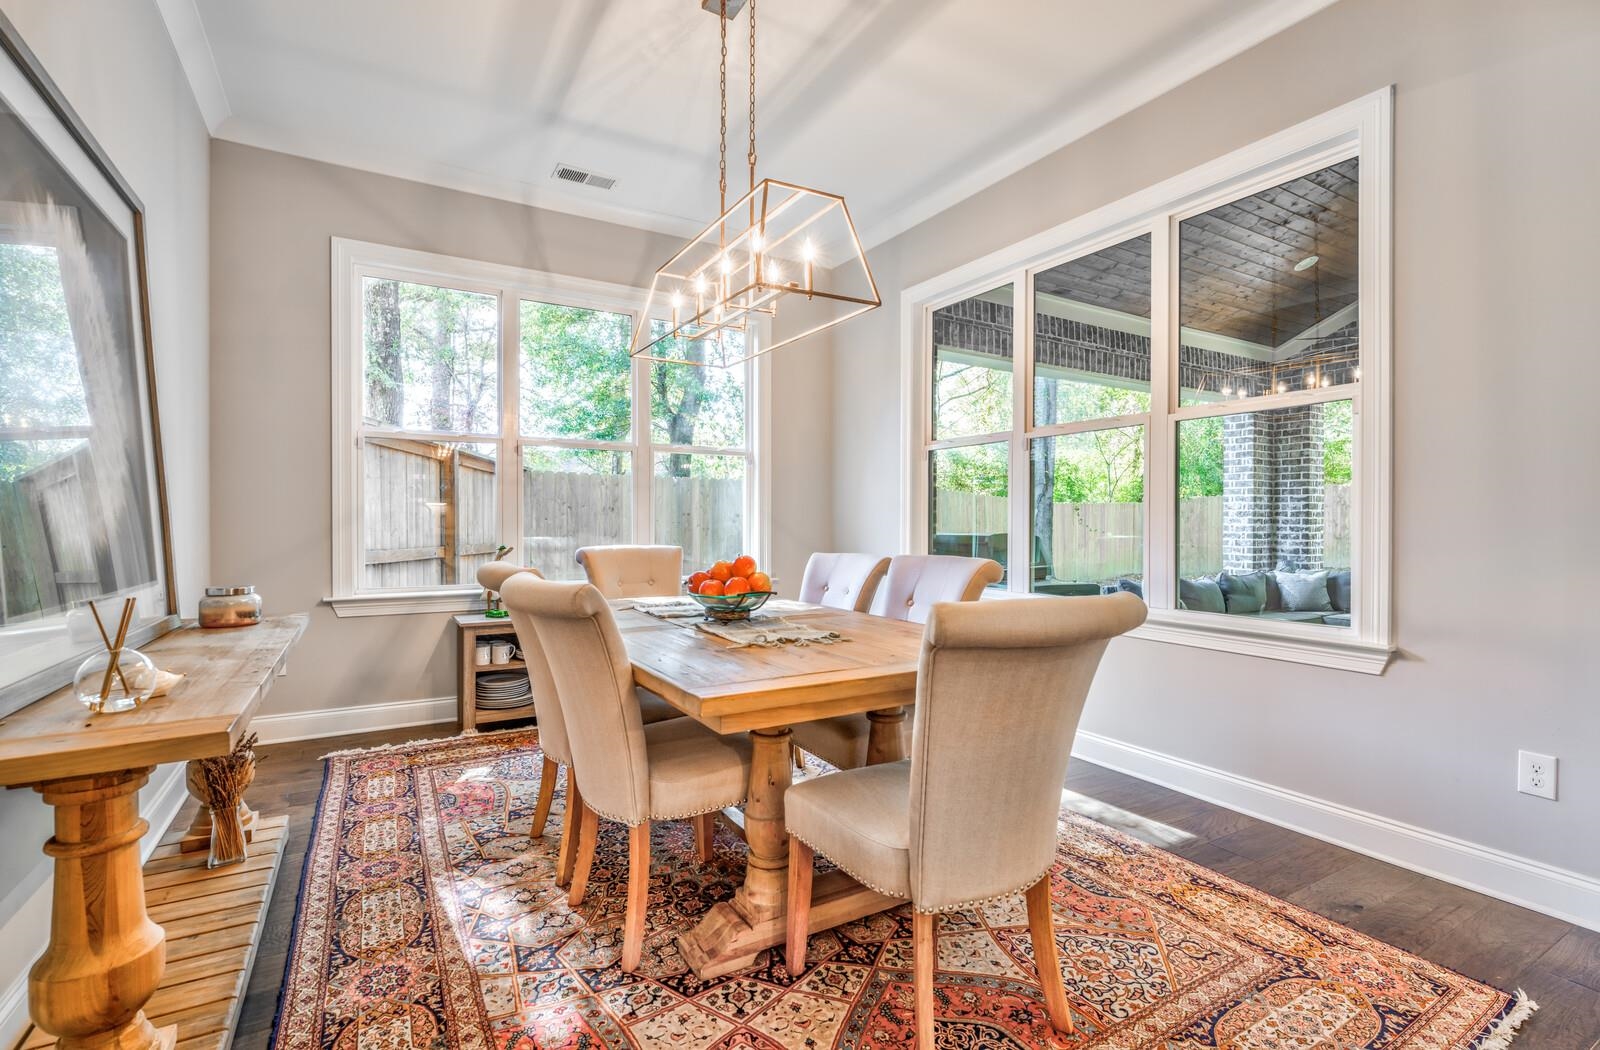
{"x":430,"y":920}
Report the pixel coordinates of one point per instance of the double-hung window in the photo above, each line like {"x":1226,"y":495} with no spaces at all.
{"x":1183,"y":395}
{"x":479,"y":406}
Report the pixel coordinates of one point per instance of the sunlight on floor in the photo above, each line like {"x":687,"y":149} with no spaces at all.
{"x":1143,"y":828}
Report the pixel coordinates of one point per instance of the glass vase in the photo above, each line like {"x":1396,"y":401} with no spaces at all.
{"x":101,"y":688}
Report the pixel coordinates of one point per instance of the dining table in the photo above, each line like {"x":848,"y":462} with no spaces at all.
{"x":763,"y":690}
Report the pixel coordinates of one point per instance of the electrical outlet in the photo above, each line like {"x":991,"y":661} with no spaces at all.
{"x":1536,"y":774}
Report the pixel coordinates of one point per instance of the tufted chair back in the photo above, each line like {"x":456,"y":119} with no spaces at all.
{"x":843,"y":581}
{"x":1000,"y":686}
{"x":594,"y":681}
{"x":627,"y":571}
{"x":546,"y":705}
{"x":917,"y":582}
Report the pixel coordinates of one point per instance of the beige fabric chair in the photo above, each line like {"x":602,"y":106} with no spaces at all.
{"x":911,"y":586}
{"x":625,"y":571}
{"x":1000,"y":686}
{"x":842,"y":581}
{"x":628,"y":571}
{"x":552,"y":728}
{"x":632,"y":773}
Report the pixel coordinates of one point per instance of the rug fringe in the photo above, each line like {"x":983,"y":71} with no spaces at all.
{"x":470,"y":734}
{"x":1498,"y":1036}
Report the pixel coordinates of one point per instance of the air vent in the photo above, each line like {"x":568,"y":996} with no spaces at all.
{"x":567,"y":173}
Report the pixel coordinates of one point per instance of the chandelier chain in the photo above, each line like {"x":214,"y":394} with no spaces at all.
{"x":722,"y":156}
{"x":752,"y":156}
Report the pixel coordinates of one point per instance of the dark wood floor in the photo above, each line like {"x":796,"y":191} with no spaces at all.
{"x":1506,"y":946}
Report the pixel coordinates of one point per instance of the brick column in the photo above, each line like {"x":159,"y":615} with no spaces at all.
{"x":1247,"y":490}
{"x":1298,"y":485}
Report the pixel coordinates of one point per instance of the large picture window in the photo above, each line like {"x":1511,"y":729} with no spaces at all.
{"x":1185,"y":396}
{"x":483,"y":406}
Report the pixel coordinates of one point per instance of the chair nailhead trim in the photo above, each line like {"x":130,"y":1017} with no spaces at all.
{"x":853,"y":875}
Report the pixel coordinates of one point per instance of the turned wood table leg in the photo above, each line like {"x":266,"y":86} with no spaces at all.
{"x":734,"y":932}
{"x":105,"y":957}
{"x":884,"y":740}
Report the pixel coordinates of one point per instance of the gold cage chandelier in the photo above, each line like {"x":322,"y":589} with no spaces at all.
{"x":780,"y":243}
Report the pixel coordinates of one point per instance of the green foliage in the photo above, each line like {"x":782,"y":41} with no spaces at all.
{"x":1200,"y":457}
{"x":41,"y":384}
{"x":1338,"y":425}
{"x":432,"y":357}
{"x":575,"y":374}
{"x":969,"y":397}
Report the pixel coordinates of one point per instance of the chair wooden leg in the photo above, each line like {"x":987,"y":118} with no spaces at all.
{"x":801,"y":860}
{"x":924,"y":953}
{"x":799,"y":757}
{"x":567,"y":854}
{"x":638,"y":896}
{"x":705,"y":829}
{"x":588,"y":828}
{"x":547,"y":795}
{"x":1046,"y":957}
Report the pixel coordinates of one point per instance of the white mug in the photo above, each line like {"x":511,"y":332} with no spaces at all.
{"x":501,"y":652}
{"x":480,"y":654}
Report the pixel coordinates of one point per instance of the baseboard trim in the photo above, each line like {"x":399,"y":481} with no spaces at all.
{"x":1558,"y":892}
{"x":166,"y":792}
{"x":339,"y":721}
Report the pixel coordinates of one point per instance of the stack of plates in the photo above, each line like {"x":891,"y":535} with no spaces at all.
{"x":504,"y":690}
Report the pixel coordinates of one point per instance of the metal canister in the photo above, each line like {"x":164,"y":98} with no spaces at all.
{"x":230,"y":607}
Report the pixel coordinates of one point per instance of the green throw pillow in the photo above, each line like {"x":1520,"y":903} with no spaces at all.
{"x":1245,"y":592}
{"x":1201,"y":594}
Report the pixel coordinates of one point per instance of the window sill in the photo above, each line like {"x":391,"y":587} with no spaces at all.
{"x":402,"y":603}
{"x":1304,"y":645}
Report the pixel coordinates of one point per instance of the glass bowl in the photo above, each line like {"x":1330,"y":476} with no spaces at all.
{"x":730,"y":607}
{"x":128,"y":690}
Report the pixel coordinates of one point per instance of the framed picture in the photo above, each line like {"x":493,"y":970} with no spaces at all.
{"x":83,"y":503}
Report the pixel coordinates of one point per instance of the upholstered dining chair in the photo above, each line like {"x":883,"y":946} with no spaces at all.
{"x":631,"y":571}
{"x":552,"y":728}
{"x":633,"y":773}
{"x":911,"y":586}
{"x":1000,"y":685}
{"x":842,"y":581}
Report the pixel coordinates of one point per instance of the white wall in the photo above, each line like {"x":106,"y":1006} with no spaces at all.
{"x":1497,"y":436}
{"x":115,"y":64}
{"x":272,"y":217}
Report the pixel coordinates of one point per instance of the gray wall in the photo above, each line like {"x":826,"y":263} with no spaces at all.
{"x":1496,"y":487}
{"x":272,"y":217}
{"x":117,"y":67}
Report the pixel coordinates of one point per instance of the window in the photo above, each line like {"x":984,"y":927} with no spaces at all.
{"x":1194,"y":407}
{"x":485,"y":405}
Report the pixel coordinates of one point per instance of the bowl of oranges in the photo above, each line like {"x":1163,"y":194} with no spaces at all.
{"x":730,"y":590}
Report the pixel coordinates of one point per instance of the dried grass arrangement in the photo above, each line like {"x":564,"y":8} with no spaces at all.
{"x":219,"y":784}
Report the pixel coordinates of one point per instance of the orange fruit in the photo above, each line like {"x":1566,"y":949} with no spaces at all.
{"x":760,"y":582}
{"x":720,"y":571}
{"x":737,"y":585}
{"x":697,"y":579}
{"x":711,"y":587}
{"x":744,"y":565}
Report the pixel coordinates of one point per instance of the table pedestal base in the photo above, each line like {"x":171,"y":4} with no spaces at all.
{"x":727,"y":939}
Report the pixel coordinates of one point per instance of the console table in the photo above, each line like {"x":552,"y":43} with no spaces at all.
{"x":106,"y":956}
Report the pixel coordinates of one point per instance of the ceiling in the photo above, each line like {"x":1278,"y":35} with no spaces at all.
{"x":904,"y":106}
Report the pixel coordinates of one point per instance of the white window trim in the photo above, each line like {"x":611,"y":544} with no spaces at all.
{"x":1362,"y":127}
{"x":351,"y":261}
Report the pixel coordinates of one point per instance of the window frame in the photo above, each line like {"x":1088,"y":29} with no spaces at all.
{"x":352,"y":263}
{"x":1362,"y":128}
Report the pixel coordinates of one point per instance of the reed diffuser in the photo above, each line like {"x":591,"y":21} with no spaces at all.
{"x":119,"y":678}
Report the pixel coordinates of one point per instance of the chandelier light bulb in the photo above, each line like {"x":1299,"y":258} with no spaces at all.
{"x":700,"y":284}
{"x":810,"y":251}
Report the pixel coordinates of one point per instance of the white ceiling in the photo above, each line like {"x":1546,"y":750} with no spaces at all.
{"x":904,"y":106}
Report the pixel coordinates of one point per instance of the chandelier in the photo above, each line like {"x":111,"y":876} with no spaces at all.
{"x":780,"y":244}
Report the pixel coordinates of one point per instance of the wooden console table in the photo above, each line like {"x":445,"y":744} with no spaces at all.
{"x":106,"y":956}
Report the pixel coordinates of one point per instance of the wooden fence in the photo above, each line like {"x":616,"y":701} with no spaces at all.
{"x":1098,"y":542}
{"x":431,"y":515}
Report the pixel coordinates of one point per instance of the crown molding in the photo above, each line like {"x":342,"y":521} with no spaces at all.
{"x":188,"y":34}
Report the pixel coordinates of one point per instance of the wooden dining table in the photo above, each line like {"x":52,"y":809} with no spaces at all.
{"x":763,"y":691}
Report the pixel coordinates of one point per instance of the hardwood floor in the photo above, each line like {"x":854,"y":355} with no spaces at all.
{"x":1554,"y":962}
